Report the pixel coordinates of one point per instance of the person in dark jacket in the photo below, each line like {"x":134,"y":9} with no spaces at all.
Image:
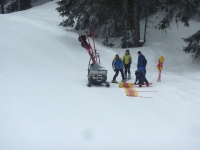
{"x":117,"y":65}
{"x":142,"y":62}
{"x":144,"y":72}
{"x":141,"y":77}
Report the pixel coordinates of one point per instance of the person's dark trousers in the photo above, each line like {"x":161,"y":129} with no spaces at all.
{"x":142,"y":80}
{"x":127,"y":69}
{"x":117,"y":72}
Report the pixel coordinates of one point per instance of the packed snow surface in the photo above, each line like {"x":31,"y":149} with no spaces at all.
{"x":45,"y":103}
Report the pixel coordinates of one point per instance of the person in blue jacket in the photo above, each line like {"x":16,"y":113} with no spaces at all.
{"x":140,"y":75}
{"x":142,"y":62}
{"x":117,"y":65}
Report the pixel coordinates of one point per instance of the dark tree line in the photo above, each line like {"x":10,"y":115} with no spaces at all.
{"x":14,"y":5}
{"x":120,"y":19}
{"x":2,"y":3}
{"x":110,"y":19}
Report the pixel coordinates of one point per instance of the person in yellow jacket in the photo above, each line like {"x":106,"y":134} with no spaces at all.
{"x":127,"y":60}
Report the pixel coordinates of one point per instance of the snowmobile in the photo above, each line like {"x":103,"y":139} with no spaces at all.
{"x":96,"y":73}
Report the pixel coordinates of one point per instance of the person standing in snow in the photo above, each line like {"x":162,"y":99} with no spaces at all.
{"x":117,"y":65}
{"x":127,"y":59}
{"x":141,"y":76}
{"x":142,"y":62}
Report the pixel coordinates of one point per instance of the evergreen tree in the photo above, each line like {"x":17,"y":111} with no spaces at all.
{"x":110,"y":18}
{"x":102,"y":16}
{"x":12,"y":7}
{"x":24,"y":4}
{"x":114,"y":19}
{"x":18,"y":5}
{"x":2,"y":3}
{"x":193,"y":44}
{"x":176,"y":9}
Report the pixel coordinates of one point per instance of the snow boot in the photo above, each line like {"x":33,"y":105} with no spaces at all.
{"x":123,"y":80}
{"x":114,"y":81}
{"x":129,"y":75}
{"x":140,"y":85}
{"x":125,"y":76}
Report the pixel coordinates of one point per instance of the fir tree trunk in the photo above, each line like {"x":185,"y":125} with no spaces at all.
{"x":130,"y":15}
{"x":146,"y":20}
{"x":116,"y":29}
{"x":19,"y":5}
{"x":2,"y":8}
{"x":136,"y":24}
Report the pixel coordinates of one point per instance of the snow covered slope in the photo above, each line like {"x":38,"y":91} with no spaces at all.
{"x":46,"y":105}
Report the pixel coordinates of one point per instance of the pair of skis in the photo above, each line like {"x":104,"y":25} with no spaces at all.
{"x":144,"y":85}
{"x":150,"y":84}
